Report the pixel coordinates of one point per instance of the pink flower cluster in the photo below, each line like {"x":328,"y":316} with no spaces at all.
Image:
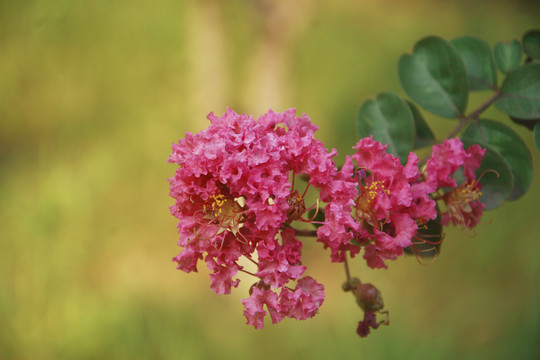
{"x":235,"y":198}
{"x":233,"y":195}
{"x":385,"y":210}
{"x":390,"y":202}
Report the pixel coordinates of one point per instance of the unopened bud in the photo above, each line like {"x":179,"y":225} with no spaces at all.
{"x":368,"y":297}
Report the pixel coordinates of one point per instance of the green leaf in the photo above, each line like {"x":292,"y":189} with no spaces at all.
{"x":424,"y":136}
{"x":434,"y":76}
{"x":508,"y":144}
{"x":537,"y":136}
{"x":496,"y":187}
{"x":481,"y":68}
{"x":389,"y":119}
{"x":520,"y":93}
{"x":531,"y":44}
{"x":507,"y":55}
{"x":427,"y":242}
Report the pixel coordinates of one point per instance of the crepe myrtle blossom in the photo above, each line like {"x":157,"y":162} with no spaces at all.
{"x":236,"y":198}
{"x":461,"y":202}
{"x":299,"y":303}
{"x":383,"y":213}
{"x":233,"y":199}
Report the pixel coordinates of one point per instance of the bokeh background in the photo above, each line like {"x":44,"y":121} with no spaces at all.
{"x":93,"y":93}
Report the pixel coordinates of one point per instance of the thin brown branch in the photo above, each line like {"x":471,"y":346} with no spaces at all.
{"x":464,"y":121}
{"x":474,"y":115}
{"x":307,"y":233}
{"x":249,"y":273}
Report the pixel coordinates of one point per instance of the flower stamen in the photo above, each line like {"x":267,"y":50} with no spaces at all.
{"x":224,"y":213}
{"x":363,"y":210}
{"x":460,"y":203}
{"x":297,"y":206}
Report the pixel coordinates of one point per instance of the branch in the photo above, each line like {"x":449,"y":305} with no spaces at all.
{"x":474,"y":115}
{"x":464,"y":121}
{"x":307,"y":233}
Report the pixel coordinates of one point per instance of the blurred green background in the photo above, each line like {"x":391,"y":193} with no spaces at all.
{"x":93,"y":93}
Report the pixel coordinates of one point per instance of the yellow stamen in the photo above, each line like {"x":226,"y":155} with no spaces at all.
{"x":375,"y":188}
{"x":225,"y":211}
{"x":364,"y":209}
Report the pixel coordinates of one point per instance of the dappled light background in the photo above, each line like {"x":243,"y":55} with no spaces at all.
{"x":93,"y":93}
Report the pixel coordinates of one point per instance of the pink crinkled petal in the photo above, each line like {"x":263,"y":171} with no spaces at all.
{"x":187,"y":260}
{"x":473,"y":160}
{"x":304,"y":302}
{"x":222,"y":281}
{"x":254,"y":307}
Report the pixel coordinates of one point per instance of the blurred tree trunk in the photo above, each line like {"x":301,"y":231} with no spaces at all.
{"x":207,"y":75}
{"x":268,"y":77}
{"x":265,"y":81}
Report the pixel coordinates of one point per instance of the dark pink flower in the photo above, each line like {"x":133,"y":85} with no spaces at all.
{"x":386,"y":207}
{"x":231,"y":191}
{"x":463,"y":207}
{"x":233,"y":199}
{"x":462,"y":204}
{"x":445,"y":160}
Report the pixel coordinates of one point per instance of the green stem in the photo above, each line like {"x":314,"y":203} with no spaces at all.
{"x":464,"y":121}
